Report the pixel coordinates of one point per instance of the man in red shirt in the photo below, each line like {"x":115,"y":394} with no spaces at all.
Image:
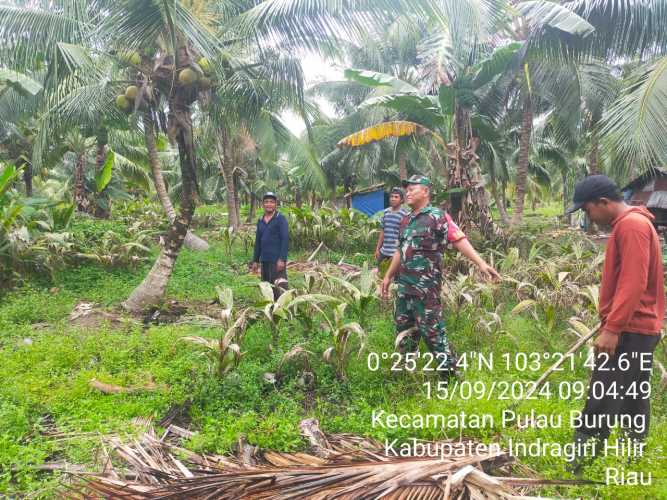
{"x":631,"y":309}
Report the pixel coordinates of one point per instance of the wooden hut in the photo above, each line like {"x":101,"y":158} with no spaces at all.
{"x":650,"y":189}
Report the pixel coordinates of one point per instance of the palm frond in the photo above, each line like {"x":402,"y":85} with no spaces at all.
{"x":623,"y":28}
{"x":18,"y":81}
{"x":27,"y":33}
{"x":314,"y":24}
{"x":634,"y":127}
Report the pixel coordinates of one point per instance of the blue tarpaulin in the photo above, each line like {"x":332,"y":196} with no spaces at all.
{"x":369,"y":202}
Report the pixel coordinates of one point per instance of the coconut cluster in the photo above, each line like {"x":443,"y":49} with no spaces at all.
{"x":191,"y":76}
{"x":196,"y":75}
{"x":125,"y":102}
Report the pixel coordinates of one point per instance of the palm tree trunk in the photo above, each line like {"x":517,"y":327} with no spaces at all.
{"x":152,"y":290}
{"x":192,"y":241}
{"x":253,"y":207}
{"x":470,"y":205}
{"x":237,"y":199}
{"x":298,"y":201}
{"x":79,"y":195}
{"x":593,"y":157}
{"x":500,"y":203}
{"x":227,"y":172}
{"x":27,"y":178}
{"x":522,"y":164}
{"x":402,"y":165}
{"x":568,"y":217}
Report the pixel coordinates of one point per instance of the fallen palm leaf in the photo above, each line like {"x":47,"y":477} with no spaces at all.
{"x":117,"y":389}
{"x":344,"y":467}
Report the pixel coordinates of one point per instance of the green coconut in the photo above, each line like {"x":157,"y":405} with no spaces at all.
{"x":130,"y":57}
{"x":135,"y":58}
{"x":123,"y":102}
{"x":204,"y":65}
{"x":187,"y":77}
{"x":132,"y":92}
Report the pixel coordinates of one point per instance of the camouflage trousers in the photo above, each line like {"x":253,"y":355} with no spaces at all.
{"x":426,"y":315}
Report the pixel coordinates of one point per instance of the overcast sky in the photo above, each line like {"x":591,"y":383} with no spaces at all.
{"x":316,"y":70}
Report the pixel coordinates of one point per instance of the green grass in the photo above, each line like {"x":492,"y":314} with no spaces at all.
{"x":47,"y":377}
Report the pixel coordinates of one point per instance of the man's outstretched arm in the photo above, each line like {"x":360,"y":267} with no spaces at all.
{"x":464,"y":246}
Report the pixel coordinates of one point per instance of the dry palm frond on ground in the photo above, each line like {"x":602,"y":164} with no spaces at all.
{"x":340,"y":466}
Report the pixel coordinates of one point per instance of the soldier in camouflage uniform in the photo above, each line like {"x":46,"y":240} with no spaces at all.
{"x":423,"y":237}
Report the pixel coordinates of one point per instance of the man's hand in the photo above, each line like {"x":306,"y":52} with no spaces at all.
{"x":489,"y":272}
{"x":254,"y":266}
{"x":606,"y":342}
{"x":386,"y":283}
{"x":377,"y":253}
{"x":280,"y":265}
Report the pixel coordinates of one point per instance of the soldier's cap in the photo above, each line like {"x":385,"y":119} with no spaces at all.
{"x":417,"y":179}
{"x":270,"y":194}
{"x":592,"y":188}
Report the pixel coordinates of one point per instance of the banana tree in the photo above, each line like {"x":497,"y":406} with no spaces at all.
{"x":450,"y":119}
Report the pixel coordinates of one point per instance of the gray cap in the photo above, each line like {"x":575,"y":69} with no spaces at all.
{"x":592,"y":188}
{"x":269,"y":194}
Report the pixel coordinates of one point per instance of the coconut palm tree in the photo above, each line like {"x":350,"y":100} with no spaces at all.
{"x":628,"y":129}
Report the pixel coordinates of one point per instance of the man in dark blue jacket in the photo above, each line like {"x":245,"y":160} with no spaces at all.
{"x":271,"y":245}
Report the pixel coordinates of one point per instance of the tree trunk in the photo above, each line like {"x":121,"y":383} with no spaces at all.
{"x":402,"y":165}
{"x":79,"y":196}
{"x":237,"y":198}
{"x":253,"y":207}
{"x":152,"y":290}
{"x":470,"y":205}
{"x":297,"y":198}
{"x":500,"y":203}
{"x":522,"y":164}
{"x":568,"y":217}
{"x":192,"y":241}
{"x":27,"y":178}
{"x":593,"y":157}
{"x":593,"y":169}
{"x":226,"y":170}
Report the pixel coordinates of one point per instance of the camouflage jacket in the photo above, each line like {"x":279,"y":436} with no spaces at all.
{"x":422,"y":239}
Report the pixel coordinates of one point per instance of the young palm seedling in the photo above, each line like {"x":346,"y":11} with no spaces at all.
{"x":274,"y":310}
{"x":225,"y":352}
{"x":342,"y":334}
{"x":358,"y":296}
{"x":228,"y":236}
{"x":299,"y":358}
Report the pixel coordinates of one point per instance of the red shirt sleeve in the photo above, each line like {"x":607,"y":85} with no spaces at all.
{"x":634,"y":248}
{"x":454,"y":233}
